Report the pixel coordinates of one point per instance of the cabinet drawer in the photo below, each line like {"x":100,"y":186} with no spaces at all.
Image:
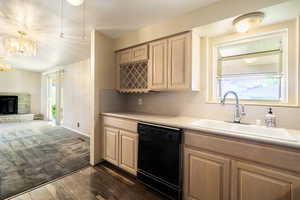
{"x":140,"y":53}
{"x":125,"y":56}
{"x":275,"y":156}
{"x":125,"y":124}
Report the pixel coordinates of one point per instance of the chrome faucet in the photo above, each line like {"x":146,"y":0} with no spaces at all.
{"x":239,"y":109}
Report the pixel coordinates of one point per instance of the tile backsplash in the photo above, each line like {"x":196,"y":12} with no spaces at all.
{"x":193,"y":104}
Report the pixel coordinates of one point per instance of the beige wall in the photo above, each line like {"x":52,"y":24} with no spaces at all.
{"x":212,"y":13}
{"x":193,"y":104}
{"x":76,"y":96}
{"x":21,"y":81}
{"x":103,"y":97}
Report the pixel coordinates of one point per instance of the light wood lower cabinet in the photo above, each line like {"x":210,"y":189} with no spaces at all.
{"x":120,"y":148}
{"x":214,"y":177}
{"x":253,"y":182}
{"x":128,"y":151}
{"x":206,"y":176}
{"x":111,"y":143}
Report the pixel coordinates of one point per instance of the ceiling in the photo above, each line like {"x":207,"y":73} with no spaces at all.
{"x":273,"y":14}
{"x":41,"y":19}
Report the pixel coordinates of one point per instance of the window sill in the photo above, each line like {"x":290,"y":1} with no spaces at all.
{"x":252,"y":103}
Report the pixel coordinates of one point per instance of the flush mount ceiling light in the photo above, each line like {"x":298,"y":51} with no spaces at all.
{"x":75,"y":2}
{"x":244,"y":22}
{"x":20,"y":45}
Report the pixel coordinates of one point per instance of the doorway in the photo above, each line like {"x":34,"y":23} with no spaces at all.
{"x":55,"y":97}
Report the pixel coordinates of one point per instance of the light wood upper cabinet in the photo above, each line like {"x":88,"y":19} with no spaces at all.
{"x":111,"y":145}
{"x":206,"y":176}
{"x":253,"y":182}
{"x":139,"y":53}
{"x":179,"y":62}
{"x":170,"y":64}
{"x":132,"y":55}
{"x":157,"y":66}
{"x":173,"y":64}
{"x":128,"y":151}
{"x":124,"y":56}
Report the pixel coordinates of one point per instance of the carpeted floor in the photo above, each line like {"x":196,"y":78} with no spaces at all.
{"x":33,"y":153}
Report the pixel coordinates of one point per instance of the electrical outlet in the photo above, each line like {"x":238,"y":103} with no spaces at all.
{"x":78,"y":124}
{"x":140,"y":101}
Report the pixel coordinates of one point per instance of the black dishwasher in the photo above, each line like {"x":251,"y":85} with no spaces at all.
{"x":160,"y":158}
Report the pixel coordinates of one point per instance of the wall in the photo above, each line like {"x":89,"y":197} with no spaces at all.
{"x":21,"y":81}
{"x":194,"y":104}
{"x":103,"y":96}
{"x":206,"y":15}
{"x":76,"y":96}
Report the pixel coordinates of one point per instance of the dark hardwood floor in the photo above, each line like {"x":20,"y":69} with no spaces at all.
{"x":103,"y":182}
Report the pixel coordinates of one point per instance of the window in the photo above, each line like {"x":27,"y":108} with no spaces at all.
{"x":254,"y":68}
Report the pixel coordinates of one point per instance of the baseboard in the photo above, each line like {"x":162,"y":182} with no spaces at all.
{"x":79,"y":132}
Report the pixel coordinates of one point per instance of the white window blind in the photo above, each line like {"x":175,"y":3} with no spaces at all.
{"x":253,"y":69}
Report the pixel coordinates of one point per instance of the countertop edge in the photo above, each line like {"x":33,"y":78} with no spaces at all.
{"x":130,"y":116}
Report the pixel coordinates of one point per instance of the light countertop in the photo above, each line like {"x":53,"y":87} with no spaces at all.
{"x":189,"y":123}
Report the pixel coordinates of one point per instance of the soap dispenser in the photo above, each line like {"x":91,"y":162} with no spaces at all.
{"x":270,"y":119}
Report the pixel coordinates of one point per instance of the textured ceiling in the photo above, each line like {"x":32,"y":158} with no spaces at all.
{"x":112,"y":17}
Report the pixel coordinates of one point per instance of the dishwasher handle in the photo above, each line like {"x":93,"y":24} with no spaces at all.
{"x":159,"y":126}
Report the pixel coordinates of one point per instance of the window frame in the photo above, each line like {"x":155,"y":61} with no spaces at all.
{"x":213,"y":57}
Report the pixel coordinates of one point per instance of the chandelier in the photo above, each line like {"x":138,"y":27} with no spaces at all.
{"x":4,"y":67}
{"x":20,"y":45}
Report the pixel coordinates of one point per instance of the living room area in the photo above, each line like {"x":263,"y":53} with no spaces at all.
{"x":41,"y":114}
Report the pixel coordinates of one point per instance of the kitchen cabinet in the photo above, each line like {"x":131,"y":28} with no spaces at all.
{"x":170,"y":64}
{"x":120,"y":143}
{"x":158,"y":75}
{"x":179,"y":62}
{"x":139,"y":53}
{"x":135,"y":54}
{"x":251,"y":181}
{"x":206,"y":176}
{"x":173,"y":64}
{"x":128,"y":151}
{"x":132,"y":69}
{"x":111,"y":145}
{"x":252,"y":171}
{"x":124,"y":56}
